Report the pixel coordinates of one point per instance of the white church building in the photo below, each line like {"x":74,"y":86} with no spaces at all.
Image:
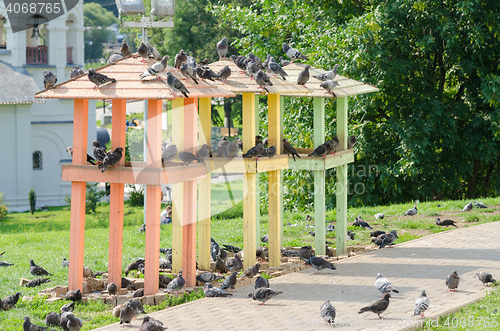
{"x":35,"y":133}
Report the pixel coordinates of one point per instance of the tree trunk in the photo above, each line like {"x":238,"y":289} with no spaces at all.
{"x":472,"y":182}
{"x":228,"y":122}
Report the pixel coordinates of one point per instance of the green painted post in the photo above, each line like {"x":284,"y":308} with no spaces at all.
{"x":319,"y":178}
{"x":342,"y":183}
{"x":257,"y":176}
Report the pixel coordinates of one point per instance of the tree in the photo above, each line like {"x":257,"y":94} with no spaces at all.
{"x":96,"y":20}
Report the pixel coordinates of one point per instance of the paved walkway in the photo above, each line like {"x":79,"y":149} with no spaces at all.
{"x":411,"y":267}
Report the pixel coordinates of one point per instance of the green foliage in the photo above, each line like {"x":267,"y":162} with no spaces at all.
{"x":92,"y":197}
{"x":266,"y":276}
{"x":67,"y":199}
{"x":3,"y":208}
{"x":134,"y":145}
{"x":32,"y":199}
{"x":136,"y":196}
{"x":96,"y":20}
{"x":471,"y":218}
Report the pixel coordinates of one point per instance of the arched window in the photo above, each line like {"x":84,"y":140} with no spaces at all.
{"x":37,"y":160}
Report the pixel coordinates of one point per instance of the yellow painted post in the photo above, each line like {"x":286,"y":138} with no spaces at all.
{"x":341,"y":187}
{"x":319,"y":178}
{"x":177,"y":188}
{"x":282,"y":111}
{"x":249,"y":183}
{"x":275,"y":129}
{"x":204,"y":193}
{"x":257,"y":177}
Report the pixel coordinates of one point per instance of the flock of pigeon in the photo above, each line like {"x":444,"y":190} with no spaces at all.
{"x":188,"y":67}
{"x":103,"y":158}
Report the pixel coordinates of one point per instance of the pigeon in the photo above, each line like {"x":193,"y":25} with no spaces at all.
{"x":98,"y":151}
{"x":350,"y":235}
{"x":265,"y":64}
{"x":421,"y":305}
{"x":263,"y":80}
{"x":328,"y":75}
{"x":164,"y":264}
{"x":334,"y":143}
{"x":138,"y":293}
{"x":134,"y":265}
{"x":28,"y":326}
{"x":284,"y":62}
{"x":98,"y":79}
{"x":262,"y":253}
{"x":234,"y":264}
{"x":176,"y":284}
{"x":222,"y":48}
{"x":150,"y":324}
{"x":411,"y":212}
{"x":142,"y":228}
{"x":230,"y":281}
{"x":214,"y":249}
{"x":153,"y":53}
{"x":64,"y":262}
{"x":188,"y":72}
{"x":255,"y":59}
{"x":292,"y":53}
{"x":240,"y":62}
{"x":155,"y":69}
{"x":261,"y":282}
{"x":483,"y":276}
{"x":37,"y":270}
{"x":258,"y":140}
{"x":112,"y":288}
{"x":468,"y":207}
{"x":68,"y":307}
{"x":232,"y":150}
{"x":74,"y":323}
{"x":76,"y":72}
{"x":480,"y":205}
{"x":127,"y":313}
{"x":254,"y":151}
{"x":362,"y":223}
{"x":65,"y":319}
{"x":180,"y":58}
{"x":384,"y":285}
{"x":203,"y":153}
{"x":445,"y":222}
{"x":290,"y":149}
{"x":269,"y":152}
{"x":303,"y":77}
{"x":376,"y":233}
{"x":378,"y":307}
{"x":329,"y":85}
{"x":204,"y":62}
{"x":452,"y":281}
{"x":389,"y":239}
{"x":330,"y":228}
{"x":263,"y":294}
{"x":143,"y":52}
{"x":222,"y":254}
{"x":322,"y":149}
{"x":187,"y":158}
{"x":319,"y":263}
{"x":265,"y":238}
{"x":53,"y":319}
{"x":212,"y":292}
{"x":37,"y":282}
{"x":168,"y":153}
{"x":252,"y":69}
{"x":111,"y":159}
{"x":305,"y":253}
{"x":231,"y":248}
{"x":207,"y":73}
{"x":219,"y":265}
{"x":379,"y":216}
{"x":222,"y":147}
{"x":240,"y":144}
{"x":276,"y":69}
{"x":208,"y":277}
{"x":136,"y":306}
{"x":125,"y":50}
{"x":73,"y":295}
{"x":251,"y":271}
{"x":113,"y":58}
{"x":327,"y":312}
{"x":175,"y":84}
{"x":224,"y":74}
{"x":5,"y":264}
{"x":11,"y":300}
{"x":351,"y":141}
{"x":49,"y":79}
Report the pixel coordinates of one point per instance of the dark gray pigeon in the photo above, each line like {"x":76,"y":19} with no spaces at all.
{"x":483,"y":276}
{"x":263,"y":294}
{"x":252,"y":69}
{"x":234,"y":264}
{"x":73,"y":295}
{"x":53,"y":319}
{"x":68,"y":307}
{"x":134,"y":265}
{"x":223,"y":254}
{"x":37,"y":282}
{"x":240,"y":62}
{"x":138,"y":293}
{"x":28,"y":326}
{"x":64,"y":320}
{"x":350,"y":235}
{"x":328,"y":75}
{"x":180,"y":58}
{"x":125,"y":50}
{"x":219,"y":266}
{"x":155,"y":69}
{"x":168,"y":153}
{"x":292,"y":53}
{"x":421,"y":305}
{"x":261,"y":282}
{"x":222,"y":147}
{"x":137,"y":306}
{"x":231,"y":248}
{"x":232,"y":150}
{"x":203,"y":153}
{"x":230,"y":281}
{"x":177,"y":284}
{"x":468,"y":207}
{"x":321,"y":150}
{"x":176,"y":85}
{"x":284,"y":62}
{"x":411,"y":212}
{"x":445,"y":222}
{"x":329,"y":85}
{"x":290,"y":149}
{"x":255,"y":59}
{"x":378,"y":307}
{"x":452,"y":281}
{"x":351,"y":141}
{"x":319,"y":263}
{"x":222,"y":48}
{"x":251,"y":271}
{"x":303,"y":77}
{"x":480,"y":205}
{"x":112,"y":59}
{"x":76,"y":72}
{"x":376,"y":233}
{"x":112,"y":288}
{"x":208,"y":277}
{"x":37,"y":270}
{"x":127,"y":313}
{"x":207,"y":73}
{"x":224,"y":74}
{"x":327,"y":312}
{"x":98,"y":79}
{"x":359,"y":221}
{"x":11,"y":300}
{"x":389,"y":239}
{"x":330,"y":228}
{"x":98,"y":151}
{"x":49,"y":79}
{"x":214,"y":249}
{"x":263,"y":80}
{"x":384,"y":285}
{"x":212,"y":292}
{"x":151,"y":324}
{"x":269,"y":152}
{"x":188,"y":72}
{"x":74,"y":323}
{"x":111,"y":159}
{"x":142,"y":228}
{"x":254,"y":151}
{"x":305,"y":252}
{"x":276,"y":69}
{"x":187,"y":158}
{"x":143,"y":52}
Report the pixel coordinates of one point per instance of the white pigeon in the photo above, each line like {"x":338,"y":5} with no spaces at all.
{"x":379,"y":216}
{"x":328,"y":75}
{"x":156,"y":69}
{"x":293,"y":53}
{"x":468,"y":207}
{"x":384,"y":285}
{"x":421,"y":304}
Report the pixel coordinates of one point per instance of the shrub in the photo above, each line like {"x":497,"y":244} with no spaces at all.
{"x":32,"y":198}
{"x":92,"y":197}
{"x":136,"y":196}
{"x":67,"y":199}
{"x":3,"y":208}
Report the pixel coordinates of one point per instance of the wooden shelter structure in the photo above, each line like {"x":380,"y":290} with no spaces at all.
{"x":184,"y":179}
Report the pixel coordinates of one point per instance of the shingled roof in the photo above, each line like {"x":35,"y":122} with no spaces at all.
{"x":15,"y":87}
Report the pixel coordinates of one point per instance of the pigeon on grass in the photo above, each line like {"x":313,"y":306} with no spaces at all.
{"x":483,"y":276}
{"x":28,"y":326}
{"x":412,"y":211}
{"x":37,"y":270}
{"x":445,"y":222}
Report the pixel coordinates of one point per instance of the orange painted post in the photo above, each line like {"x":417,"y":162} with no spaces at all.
{"x":153,"y":202}
{"x":116,"y":196}
{"x":78,"y":196}
{"x":189,"y":222}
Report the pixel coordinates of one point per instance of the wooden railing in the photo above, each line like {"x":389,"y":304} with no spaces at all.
{"x":37,"y":55}
{"x":69,"y":55}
